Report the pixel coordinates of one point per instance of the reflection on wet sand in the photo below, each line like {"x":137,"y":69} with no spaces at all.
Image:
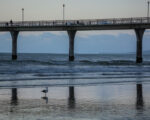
{"x":45,"y":98}
{"x":14,"y":97}
{"x":75,"y":103}
{"x":139,"y":101}
{"x":71,"y":99}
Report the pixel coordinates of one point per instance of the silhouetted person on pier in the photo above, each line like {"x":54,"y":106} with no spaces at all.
{"x":11,"y":22}
{"x":6,"y":24}
{"x":90,"y":22}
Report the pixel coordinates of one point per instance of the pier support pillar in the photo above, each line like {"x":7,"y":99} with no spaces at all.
{"x":139,"y":36}
{"x":71,"y":34}
{"x":14,"y":35}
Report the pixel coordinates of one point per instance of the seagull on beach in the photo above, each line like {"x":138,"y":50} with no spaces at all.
{"x":45,"y":90}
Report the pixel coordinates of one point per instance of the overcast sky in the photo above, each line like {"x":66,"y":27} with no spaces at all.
{"x":85,"y":42}
{"x":75,"y":9}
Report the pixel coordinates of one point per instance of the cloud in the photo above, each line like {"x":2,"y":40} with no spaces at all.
{"x":58,"y":33}
{"x":26,"y":34}
{"x":147,"y":32}
{"x":4,"y":33}
{"x":86,"y":34}
{"x":81,"y":34}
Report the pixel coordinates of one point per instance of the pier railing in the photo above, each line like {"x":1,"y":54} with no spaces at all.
{"x":88,"y":22}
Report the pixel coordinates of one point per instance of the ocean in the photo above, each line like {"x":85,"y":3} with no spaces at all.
{"x":97,"y":87}
{"x":31,"y":70}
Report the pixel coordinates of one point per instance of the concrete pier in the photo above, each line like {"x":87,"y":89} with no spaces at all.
{"x":14,"y":35}
{"x":71,"y":34}
{"x":139,"y":24}
{"x":139,"y":36}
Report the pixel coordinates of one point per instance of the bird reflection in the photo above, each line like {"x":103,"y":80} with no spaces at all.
{"x":45,"y":97}
{"x":71,"y":99}
{"x":14,"y":97}
{"x":139,"y":102}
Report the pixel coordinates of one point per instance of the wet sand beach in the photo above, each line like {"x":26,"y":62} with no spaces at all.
{"x":102,"y":102}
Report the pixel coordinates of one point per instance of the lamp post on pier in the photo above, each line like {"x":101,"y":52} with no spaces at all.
{"x":22,"y":15}
{"x":63,"y":12}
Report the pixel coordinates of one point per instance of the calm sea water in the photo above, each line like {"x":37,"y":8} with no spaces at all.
{"x":97,"y":87}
